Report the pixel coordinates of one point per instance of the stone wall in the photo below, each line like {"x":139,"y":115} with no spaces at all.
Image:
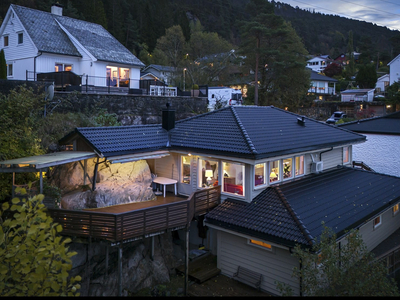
{"x":131,"y":109}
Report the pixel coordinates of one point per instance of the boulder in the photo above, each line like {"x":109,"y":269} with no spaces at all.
{"x":115,"y":184}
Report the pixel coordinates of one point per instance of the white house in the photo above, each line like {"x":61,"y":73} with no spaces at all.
{"x":322,"y":85}
{"x":318,"y":63}
{"x":394,"y":69}
{"x":365,"y":95}
{"x":36,"y":42}
{"x":158,"y":72}
{"x":382,"y":83}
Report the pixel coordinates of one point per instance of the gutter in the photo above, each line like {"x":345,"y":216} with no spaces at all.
{"x":34,"y":63}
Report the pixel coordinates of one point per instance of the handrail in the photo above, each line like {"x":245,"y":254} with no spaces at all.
{"x":136,"y":223}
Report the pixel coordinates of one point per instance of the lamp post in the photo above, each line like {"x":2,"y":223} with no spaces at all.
{"x":184,"y":73}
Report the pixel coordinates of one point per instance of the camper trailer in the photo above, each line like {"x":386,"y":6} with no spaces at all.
{"x":221,"y":96}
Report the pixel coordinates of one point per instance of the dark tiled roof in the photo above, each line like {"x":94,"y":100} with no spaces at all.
{"x":342,"y":198}
{"x":389,"y":124}
{"x":160,"y":68}
{"x":318,"y":77}
{"x":257,"y":132}
{"x":47,"y":35}
{"x":112,"y":141}
{"x":252,"y":132}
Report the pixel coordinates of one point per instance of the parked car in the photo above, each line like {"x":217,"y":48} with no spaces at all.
{"x":337,"y":115}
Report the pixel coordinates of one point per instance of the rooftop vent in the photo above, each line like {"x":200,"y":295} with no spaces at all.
{"x":301,"y":121}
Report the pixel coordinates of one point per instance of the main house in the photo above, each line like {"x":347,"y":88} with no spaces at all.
{"x":37,"y":42}
{"x":280,"y":175}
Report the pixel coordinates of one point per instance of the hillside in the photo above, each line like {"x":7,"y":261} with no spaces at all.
{"x":139,"y":22}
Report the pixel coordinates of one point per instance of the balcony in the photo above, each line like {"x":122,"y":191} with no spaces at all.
{"x":126,"y":222}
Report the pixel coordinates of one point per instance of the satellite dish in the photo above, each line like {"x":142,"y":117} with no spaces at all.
{"x":49,"y":92}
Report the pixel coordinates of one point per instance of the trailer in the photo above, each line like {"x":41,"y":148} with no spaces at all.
{"x":221,"y":96}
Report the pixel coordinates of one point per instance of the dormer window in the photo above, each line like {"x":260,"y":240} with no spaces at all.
{"x":20,"y":38}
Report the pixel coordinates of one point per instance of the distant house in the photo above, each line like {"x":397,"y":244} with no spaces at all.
{"x":37,"y":42}
{"x":394,"y":70}
{"x":364,"y":95}
{"x":381,"y":150}
{"x":341,"y":59}
{"x":318,"y":63}
{"x":382,"y":84}
{"x":165,"y":74}
{"x":322,"y":85}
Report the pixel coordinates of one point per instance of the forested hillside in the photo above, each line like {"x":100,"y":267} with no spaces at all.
{"x":142,"y":22}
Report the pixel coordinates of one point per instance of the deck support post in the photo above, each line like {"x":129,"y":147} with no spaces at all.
{"x":88,"y":263}
{"x":41,"y":182}
{"x":152,"y":248}
{"x":107,"y":250}
{"x":186,"y":259}
{"x":120,"y":270}
{"x":96,"y":165}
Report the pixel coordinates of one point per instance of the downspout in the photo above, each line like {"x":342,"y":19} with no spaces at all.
{"x":320,"y":154}
{"x":34,"y":64}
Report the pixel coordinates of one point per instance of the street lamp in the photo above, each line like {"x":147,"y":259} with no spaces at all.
{"x":184,"y":69}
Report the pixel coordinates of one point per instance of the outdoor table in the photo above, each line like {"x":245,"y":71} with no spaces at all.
{"x":165,"y":181}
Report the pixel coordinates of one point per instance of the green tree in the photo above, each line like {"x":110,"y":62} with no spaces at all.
{"x":366,"y":76}
{"x":35,"y":260}
{"x":350,"y":68}
{"x":393,"y":93}
{"x":346,"y":270}
{"x":172,"y":44}
{"x":3,"y":65}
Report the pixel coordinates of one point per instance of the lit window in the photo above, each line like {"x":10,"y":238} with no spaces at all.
{"x":261,"y":244}
{"x":20,"y":38}
{"x":5,"y":39}
{"x":377,"y":221}
{"x":287,"y":168}
{"x":299,"y":165}
{"x":274,"y":171}
{"x":395,"y":209}
{"x":63,"y":67}
{"x":9,"y":70}
{"x":185,"y":169}
{"x":346,"y":155}
{"x":208,"y":173}
{"x":233,"y":178}
{"x":259,"y":178}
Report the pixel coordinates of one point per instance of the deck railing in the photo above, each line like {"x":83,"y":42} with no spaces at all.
{"x":118,"y":227}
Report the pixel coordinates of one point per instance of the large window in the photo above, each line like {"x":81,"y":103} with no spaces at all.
{"x":346,"y":155}
{"x":287,"y":168}
{"x":274,"y":171}
{"x":233,"y":178}
{"x":208,"y":173}
{"x":63,"y":67}
{"x":185,"y":167}
{"x":259,"y":175}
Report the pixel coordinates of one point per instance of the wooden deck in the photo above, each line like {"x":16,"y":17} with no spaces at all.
{"x":131,"y":221}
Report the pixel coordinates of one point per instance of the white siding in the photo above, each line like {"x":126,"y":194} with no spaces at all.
{"x":372,"y":237}
{"x":388,"y":160}
{"x":21,"y":56}
{"x":276,"y":265}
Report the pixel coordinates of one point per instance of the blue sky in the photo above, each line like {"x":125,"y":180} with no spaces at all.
{"x":379,"y":12}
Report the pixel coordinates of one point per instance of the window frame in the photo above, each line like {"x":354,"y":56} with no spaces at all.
{"x":200,"y":172}
{"x":20,"y":38}
{"x":10,"y":70}
{"x":379,"y":223}
{"x":264,"y":175}
{"x":243,"y":167}
{"x":346,"y":154}
{"x":6,"y":38}
{"x":190,"y":170}
{"x":260,"y":245}
{"x":63,"y":65}
{"x":281,"y":169}
{"x":395,"y":209}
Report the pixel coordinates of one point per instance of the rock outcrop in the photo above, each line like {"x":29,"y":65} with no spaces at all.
{"x":115,"y":184}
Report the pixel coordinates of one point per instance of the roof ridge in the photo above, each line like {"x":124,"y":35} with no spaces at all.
{"x":244,"y":131}
{"x":293,"y":214}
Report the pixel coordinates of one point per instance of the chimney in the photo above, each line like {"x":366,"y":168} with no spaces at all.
{"x":301,"y":121}
{"x":57,"y":9}
{"x":168,"y":118}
